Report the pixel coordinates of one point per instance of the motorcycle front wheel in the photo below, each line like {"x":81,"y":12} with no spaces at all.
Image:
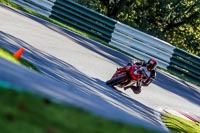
{"x":116,"y":80}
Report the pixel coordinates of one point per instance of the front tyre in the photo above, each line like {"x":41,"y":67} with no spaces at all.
{"x":116,"y":80}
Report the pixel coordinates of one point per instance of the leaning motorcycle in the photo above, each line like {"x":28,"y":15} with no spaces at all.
{"x":127,"y":76}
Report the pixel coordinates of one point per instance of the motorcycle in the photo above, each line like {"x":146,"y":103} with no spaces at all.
{"x":127,"y":76}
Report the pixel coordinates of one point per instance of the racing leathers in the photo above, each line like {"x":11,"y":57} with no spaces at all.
{"x":149,"y":77}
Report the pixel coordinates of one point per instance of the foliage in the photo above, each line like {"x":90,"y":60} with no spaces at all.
{"x":176,"y":21}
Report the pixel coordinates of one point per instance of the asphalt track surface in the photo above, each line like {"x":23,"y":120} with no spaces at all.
{"x":75,"y":70}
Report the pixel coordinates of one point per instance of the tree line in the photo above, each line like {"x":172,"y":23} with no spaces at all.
{"x":174,"y":21}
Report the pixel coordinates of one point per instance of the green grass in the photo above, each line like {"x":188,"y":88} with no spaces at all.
{"x":22,"y":112}
{"x":9,"y":56}
{"x":179,"y":125}
{"x":185,"y":78}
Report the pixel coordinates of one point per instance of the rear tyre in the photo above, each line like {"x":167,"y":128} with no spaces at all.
{"x":116,"y":80}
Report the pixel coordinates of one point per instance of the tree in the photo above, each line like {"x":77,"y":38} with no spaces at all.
{"x":182,"y":25}
{"x":175,"y":21}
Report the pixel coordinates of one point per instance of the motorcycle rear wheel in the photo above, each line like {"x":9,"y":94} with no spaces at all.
{"x":116,"y":80}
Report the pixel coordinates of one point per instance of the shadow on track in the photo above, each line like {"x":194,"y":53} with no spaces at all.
{"x":76,"y":88}
{"x":178,"y":87}
{"x":88,"y":92}
{"x":169,"y":83}
{"x":117,"y":57}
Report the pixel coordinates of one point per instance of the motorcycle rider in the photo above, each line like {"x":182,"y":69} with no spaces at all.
{"x":148,"y":69}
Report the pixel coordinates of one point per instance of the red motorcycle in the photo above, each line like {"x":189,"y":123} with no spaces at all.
{"x":127,"y":76}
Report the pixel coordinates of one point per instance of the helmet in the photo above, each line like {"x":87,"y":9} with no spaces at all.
{"x":151,"y":64}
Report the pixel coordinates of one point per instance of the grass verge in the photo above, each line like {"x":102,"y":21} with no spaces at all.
{"x":179,"y":125}
{"x":185,"y":78}
{"x":9,"y":56}
{"x":23,"y":112}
